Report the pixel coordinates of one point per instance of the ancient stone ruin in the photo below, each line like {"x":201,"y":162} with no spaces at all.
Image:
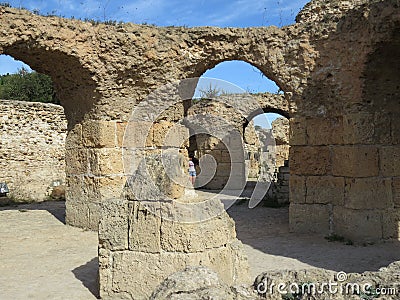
{"x":338,"y":68}
{"x":32,"y":155}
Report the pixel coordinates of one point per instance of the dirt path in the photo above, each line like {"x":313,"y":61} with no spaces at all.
{"x":41,"y":258}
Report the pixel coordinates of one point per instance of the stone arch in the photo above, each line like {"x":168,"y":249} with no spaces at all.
{"x":269,"y":70}
{"x":264,"y":102}
{"x":55,"y":49}
{"x":73,"y":83}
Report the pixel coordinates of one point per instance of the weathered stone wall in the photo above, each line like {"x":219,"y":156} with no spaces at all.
{"x":252,"y":148}
{"x":32,"y":148}
{"x":275,"y":160}
{"x":340,"y":72}
{"x":280,"y":131}
{"x":345,"y":146}
{"x":101,"y":72}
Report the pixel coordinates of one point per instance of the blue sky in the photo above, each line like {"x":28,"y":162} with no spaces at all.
{"x":221,"y":13}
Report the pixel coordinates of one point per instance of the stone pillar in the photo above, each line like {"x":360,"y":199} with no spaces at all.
{"x":282,"y":184}
{"x":94,"y":170}
{"x":138,"y":250}
{"x":155,"y":229}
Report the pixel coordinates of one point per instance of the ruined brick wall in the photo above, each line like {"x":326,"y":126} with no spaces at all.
{"x":32,"y":148}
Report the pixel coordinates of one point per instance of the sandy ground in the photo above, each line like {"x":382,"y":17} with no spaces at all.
{"x":269,"y":245}
{"x":41,"y":258}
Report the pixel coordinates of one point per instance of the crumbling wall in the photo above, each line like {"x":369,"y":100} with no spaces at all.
{"x":32,"y":148}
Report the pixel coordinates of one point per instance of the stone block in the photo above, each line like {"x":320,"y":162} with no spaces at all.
{"x":325,"y":190}
{"x":76,"y":161}
{"x":114,"y":225}
{"x":74,"y":137}
{"x":109,"y":187}
{"x":230,"y":169}
{"x":158,"y":175}
{"x":167,"y":134}
{"x":313,"y":218}
{"x":382,"y":128}
{"x":75,"y":188}
{"x":358,"y":128}
{"x":195,"y":237}
{"x":105,"y":162}
{"x":355,"y":161}
{"x":357,"y":225}
{"x":144,"y":229}
{"x":137,"y":274}
{"x":325,"y":131}
{"x":234,"y":156}
{"x":395,"y":126}
{"x":211,"y":143}
{"x":99,"y":134}
{"x":368,"y":193}
{"x":198,"y":282}
{"x":297,"y":131}
{"x":390,"y":161}
{"x":105,"y":272}
{"x":391,"y":224}
{"x":94,"y":215}
{"x":135,"y":135}
{"x":77,"y":213}
{"x":120,"y":128}
{"x":235,"y":142}
{"x":297,"y":186}
{"x":305,"y":160}
{"x":396,"y":192}
{"x":174,"y":113}
{"x":224,"y":169}
{"x":177,"y":136}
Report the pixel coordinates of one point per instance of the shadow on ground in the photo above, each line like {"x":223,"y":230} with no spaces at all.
{"x":88,"y":274}
{"x":270,"y":246}
{"x":56,"y":208}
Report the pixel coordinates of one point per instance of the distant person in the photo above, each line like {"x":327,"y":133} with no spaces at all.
{"x":192,"y":168}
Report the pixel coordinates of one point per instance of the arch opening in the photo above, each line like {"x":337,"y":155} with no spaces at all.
{"x":256,"y":133}
{"x":266,"y":97}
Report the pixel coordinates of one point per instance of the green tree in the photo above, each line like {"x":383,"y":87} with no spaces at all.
{"x":27,"y":86}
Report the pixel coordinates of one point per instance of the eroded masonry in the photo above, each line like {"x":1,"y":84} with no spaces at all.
{"x":338,"y":66}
